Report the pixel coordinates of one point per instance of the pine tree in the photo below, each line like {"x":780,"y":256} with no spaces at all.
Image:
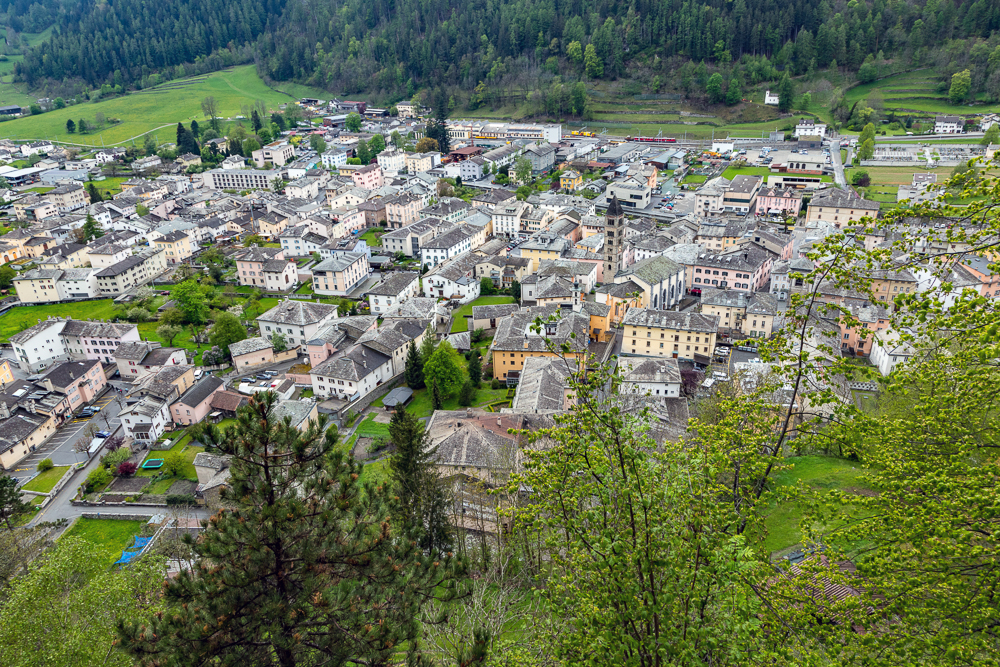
{"x":475,"y":369}
{"x":92,"y":229}
{"x":413,"y":373}
{"x":70,"y":126}
{"x":306,"y":564}
{"x":786,"y":93}
{"x":467,"y":394}
{"x":195,"y":130}
{"x":422,"y":500}
{"x":428,"y":344}
{"x":437,"y":400}
{"x":95,"y":196}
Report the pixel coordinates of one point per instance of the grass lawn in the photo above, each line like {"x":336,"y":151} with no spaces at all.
{"x":898,"y":175}
{"x":19,"y":319}
{"x":188,"y":472}
{"x":156,"y":109}
{"x":421,"y":403}
{"x":44,"y":482}
{"x":370,"y":238}
{"x":305,"y":289}
{"x":820,"y":473}
{"x":460,"y":324}
{"x":375,"y":472}
{"x":695,"y":178}
{"x":110,"y":185}
{"x":745,"y":171}
{"x":369,"y":428}
{"x":109,"y":536}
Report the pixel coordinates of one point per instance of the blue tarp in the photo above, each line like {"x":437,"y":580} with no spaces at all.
{"x":141,"y":542}
{"x":127,"y":557}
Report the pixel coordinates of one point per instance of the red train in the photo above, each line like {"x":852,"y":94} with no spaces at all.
{"x":654,"y":140}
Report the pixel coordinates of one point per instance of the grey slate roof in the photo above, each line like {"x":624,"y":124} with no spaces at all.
{"x":620,"y":290}
{"x":296,"y":411}
{"x":248,"y":345}
{"x":394,"y":283}
{"x":201,"y":390}
{"x":353,"y":366}
{"x":649,"y":369}
{"x":653,"y":270}
{"x":494,"y":311}
{"x":515,"y":333}
{"x":669,"y":319}
{"x":256,"y":254}
{"x":543,"y":384}
{"x":300,"y":313}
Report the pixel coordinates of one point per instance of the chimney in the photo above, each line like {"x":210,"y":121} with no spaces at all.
{"x":468,"y":413}
{"x":498,"y":421}
{"x":4,"y":411}
{"x":48,"y":384}
{"x":72,"y":375}
{"x":30,"y":405}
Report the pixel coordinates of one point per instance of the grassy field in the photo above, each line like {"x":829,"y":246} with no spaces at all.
{"x":915,"y":92}
{"x":111,"y":185}
{"x":421,"y":403}
{"x":370,"y":238}
{"x":818,"y":473}
{"x":695,"y":178}
{"x":19,"y":319}
{"x":109,"y":536}
{"x":745,"y":171}
{"x":461,"y":324}
{"x":898,"y":175}
{"x":157,"y":108}
{"x":44,"y":481}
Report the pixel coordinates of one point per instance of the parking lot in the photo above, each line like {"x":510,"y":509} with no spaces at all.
{"x":59,"y":447}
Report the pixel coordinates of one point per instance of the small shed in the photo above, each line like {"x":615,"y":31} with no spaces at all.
{"x":399,"y":396}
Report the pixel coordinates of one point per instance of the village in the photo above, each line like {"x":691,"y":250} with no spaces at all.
{"x":672,"y":260}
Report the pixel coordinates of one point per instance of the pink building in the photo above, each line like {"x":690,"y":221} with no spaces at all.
{"x":369,"y":177}
{"x":97,"y":340}
{"x":747,"y":269}
{"x":353,"y":219}
{"x":79,"y":381}
{"x":196,"y":402}
{"x":775,"y":201}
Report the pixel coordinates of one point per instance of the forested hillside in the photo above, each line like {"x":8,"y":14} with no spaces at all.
{"x":119,"y":43}
{"x":395,"y":47}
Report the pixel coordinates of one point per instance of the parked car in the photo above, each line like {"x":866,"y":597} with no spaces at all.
{"x":695,"y":291}
{"x":103,"y":434}
{"x":198,"y":373}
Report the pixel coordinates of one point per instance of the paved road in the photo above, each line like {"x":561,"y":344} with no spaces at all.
{"x":838,"y":168}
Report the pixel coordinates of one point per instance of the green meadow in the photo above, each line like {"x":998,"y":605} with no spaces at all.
{"x":156,"y":110}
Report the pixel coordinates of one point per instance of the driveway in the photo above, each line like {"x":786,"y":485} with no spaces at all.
{"x":838,"y":168}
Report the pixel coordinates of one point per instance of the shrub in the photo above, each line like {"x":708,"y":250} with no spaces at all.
{"x":44,"y":464}
{"x":127,"y":469}
{"x":495,"y":384}
{"x":98,"y":478}
{"x":173,"y":463}
{"x":112,"y":460}
{"x":175,"y":499}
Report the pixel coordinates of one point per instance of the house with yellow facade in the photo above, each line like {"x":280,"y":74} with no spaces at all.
{"x":668,"y":333}
{"x":570,"y":180}
{"x":518,"y":338}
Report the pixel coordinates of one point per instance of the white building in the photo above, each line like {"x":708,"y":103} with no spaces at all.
{"x":445,"y":246}
{"x":888,"y":353}
{"x":771,"y":98}
{"x":394,"y":289}
{"x":454,"y":279}
{"x":392,"y":161}
{"x":297,"y":321}
{"x":650,"y":376}
{"x":146,"y":420}
{"x":808,"y":127}
{"x":40,"y":346}
{"x":948,"y":125}
{"x":334,"y":158}
{"x":507,"y":218}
